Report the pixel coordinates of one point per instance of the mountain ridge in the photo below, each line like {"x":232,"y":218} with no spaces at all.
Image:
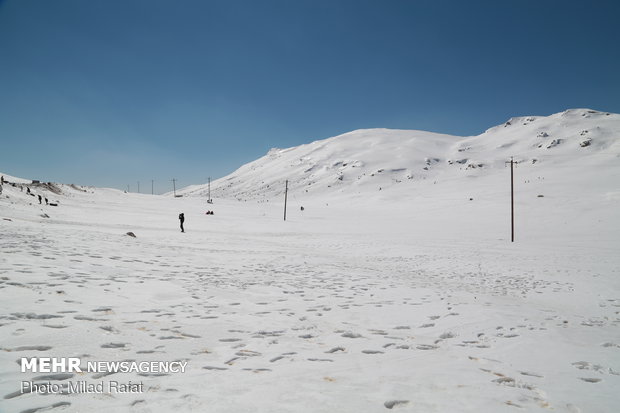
{"x":365,"y":161}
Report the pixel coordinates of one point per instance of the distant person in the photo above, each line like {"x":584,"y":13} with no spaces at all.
{"x":2,"y":180}
{"x":302,"y":208}
{"x":46,"y":202}
{"x":40,"y":199}
{"x":182,"y":220}
{"x":28,"y":190}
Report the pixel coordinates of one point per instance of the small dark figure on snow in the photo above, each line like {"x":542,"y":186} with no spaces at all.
{"x":182,"y":220}
{"x":40,"y":199}
{"x":28,"y":190}
{"x":302,"y":208}
{"x":46,"y":202}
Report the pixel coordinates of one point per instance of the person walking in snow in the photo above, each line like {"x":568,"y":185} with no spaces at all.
{"x":40,"y":199}
{"x":182,"y":220}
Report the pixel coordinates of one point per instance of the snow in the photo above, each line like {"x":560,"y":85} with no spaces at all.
{"x":408,"y":298}
{"x":365,"y":161}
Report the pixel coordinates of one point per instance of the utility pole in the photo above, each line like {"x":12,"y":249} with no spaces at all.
{"x":138,"y":186}
{"x":127,"y":187}
{"x":512,"y":201}
{"x":152,"y":180}
{"x":285,"y":198}
{"x":174,"y":186}
{"x":209,"y":200}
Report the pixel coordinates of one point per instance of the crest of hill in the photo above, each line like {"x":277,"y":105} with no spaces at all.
{"x":370,"y":160}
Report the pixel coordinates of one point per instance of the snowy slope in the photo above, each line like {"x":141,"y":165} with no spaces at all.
{"x":366,"y":161}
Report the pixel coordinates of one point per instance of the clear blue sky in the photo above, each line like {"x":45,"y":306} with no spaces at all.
{"x":109,"y":93}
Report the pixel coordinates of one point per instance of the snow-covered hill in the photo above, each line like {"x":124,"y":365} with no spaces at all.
{"x":364,"y":162}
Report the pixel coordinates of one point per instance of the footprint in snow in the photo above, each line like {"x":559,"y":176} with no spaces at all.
{"x":214,"y":368}
{"x":590,"y":379}
{"x":46,"y":408}
{"x":58,"y":376}
{"x":528,"y":373}
{"x":390,"y":404}
{"x":247,"y":353}
{"x":30,"y":348}
{"x":114,"y":345}
{"x":426,"y":347}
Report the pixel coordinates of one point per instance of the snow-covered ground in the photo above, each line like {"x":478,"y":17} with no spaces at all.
{"x":410,"y":298}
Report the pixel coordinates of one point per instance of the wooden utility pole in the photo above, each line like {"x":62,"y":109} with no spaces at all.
{"x":285,"y":198}
{"x":174,"y":186}
{"x":209,"y":200}
{"x":152,"y":180}
{"x":512,"y":201}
